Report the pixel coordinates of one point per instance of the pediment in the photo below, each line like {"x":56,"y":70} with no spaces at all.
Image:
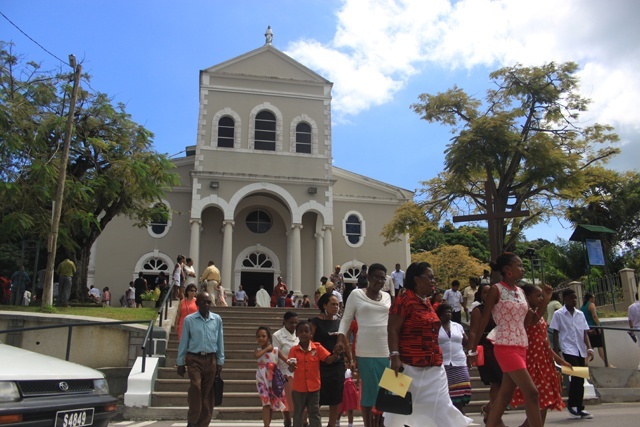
{"x":266,"y":62}
{"x":350,"y":184}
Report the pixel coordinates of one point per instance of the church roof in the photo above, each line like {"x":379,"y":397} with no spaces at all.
{"x":267,"y":62}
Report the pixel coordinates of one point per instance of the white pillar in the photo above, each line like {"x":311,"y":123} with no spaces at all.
{"x":289,"y":272}
{"x":320,"y":271}
{"x":226,"y":272}
{"x":194,"y":246}
{"x":328,"y":250}
{"x":296,"y":249}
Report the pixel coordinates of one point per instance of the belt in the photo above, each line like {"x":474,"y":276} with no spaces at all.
{"x":202,"y":354}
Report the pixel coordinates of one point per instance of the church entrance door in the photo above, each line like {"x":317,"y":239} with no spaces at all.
{"x":251,"y":281}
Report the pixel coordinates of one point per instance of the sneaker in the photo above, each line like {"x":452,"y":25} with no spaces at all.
{"x":573,"y":411}
{"x":585,"y":415}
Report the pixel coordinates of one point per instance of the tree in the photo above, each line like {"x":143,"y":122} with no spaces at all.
{"x":112,"y":171}
{"x":525,"y":143}
{"x":451,"y":263}
{"x":612,"y":201}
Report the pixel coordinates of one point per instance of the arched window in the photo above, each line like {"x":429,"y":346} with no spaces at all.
{"x":155,"y":264}
{"x":160,"y":220}
{"x":259,"y":221}
{"x":353,"y":229}
{"x":303,"y":138}
{"x":257,"y":260}
{"x":226,"y":132}
{"x":265,"y":134}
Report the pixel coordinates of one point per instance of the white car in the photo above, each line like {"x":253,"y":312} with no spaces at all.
{"x":43,"y":391}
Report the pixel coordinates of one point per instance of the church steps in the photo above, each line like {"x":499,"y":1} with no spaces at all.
{"x":241,"y":400}
{"x":228,"y":373}
{"x":230,"y":385}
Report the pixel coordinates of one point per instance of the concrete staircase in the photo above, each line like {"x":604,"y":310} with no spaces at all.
{"x":241,"y":400}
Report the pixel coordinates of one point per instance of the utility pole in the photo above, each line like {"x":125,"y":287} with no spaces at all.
{"x":47,"y":295}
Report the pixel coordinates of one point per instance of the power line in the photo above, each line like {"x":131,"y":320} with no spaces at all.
{"x":30,"y":38}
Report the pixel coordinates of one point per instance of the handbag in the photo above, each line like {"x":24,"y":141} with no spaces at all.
{"x":278,"y":381}
{"x":218,"y":390}
{"x":389,"y":402}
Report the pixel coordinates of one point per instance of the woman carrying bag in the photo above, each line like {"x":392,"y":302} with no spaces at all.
{"x":413,"y":345}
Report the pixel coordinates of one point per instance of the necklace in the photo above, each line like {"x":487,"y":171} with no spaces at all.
{"x":422,"y":298}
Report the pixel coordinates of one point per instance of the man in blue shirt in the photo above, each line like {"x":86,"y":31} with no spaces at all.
{"x":201,"y":350}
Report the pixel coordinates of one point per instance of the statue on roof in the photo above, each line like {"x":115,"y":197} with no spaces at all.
{"x":268,"y":35}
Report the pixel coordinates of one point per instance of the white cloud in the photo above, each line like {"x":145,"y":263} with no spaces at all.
{"x":380,"y":44}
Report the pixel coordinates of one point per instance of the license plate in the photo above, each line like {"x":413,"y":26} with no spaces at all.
{"x":74,"y":418}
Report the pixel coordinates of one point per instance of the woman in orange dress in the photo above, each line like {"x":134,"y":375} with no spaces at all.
{"x":540,"y":356}
{"x":186,"y":306}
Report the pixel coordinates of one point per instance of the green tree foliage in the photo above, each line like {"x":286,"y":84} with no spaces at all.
{"x":525,"y":140}
{"x":112,"y":170}
{"x":612,"y":201}
{"x":451,"y":263}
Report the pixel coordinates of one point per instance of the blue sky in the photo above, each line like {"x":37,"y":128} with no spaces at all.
{"x":380,"y":54}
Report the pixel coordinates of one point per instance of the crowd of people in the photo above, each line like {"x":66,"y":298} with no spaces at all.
{"x":522,"y":331}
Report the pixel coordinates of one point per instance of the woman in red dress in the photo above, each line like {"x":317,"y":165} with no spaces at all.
{"x":540,"y":356}
{"x":186,"y":306}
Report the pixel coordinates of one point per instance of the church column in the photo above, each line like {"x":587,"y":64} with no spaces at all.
{"x":320,"y":271}
{"x":328,"y":249}
{"x":194,"y":246}
{"x":226,"y":272}
{"x":288,"y":275}
{"x":296,"y":249}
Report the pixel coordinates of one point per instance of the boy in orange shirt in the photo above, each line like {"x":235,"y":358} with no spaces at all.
{"x":306,"y":357}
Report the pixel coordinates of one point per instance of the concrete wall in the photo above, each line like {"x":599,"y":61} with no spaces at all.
{"x":92,"y":346}
{"x":622,"y":352}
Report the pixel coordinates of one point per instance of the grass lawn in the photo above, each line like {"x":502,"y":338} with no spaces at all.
{"x":116,"y":313}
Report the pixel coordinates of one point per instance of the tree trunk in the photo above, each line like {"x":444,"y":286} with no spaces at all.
{"x":82,"y":270}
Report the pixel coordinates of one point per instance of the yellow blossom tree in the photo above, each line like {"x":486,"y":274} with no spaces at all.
{"x":451,"y":263}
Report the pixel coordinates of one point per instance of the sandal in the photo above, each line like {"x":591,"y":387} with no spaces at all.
{"x":485,"y":413}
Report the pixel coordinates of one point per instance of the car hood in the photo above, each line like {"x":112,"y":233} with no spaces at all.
{"x":17,"y":364}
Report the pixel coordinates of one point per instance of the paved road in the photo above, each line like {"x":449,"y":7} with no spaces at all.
{"x":605,"y":415}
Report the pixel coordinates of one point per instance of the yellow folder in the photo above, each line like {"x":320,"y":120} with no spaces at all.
{"x":398,"y":385}
{"x":578,"y":371}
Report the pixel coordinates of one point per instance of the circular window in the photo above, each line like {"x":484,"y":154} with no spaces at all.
{"x":259,"y":221}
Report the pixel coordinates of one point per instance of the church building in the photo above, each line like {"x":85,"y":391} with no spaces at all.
{"x":259,"y":195}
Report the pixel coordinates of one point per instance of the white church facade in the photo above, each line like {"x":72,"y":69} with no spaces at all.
{"x":259,"y":195}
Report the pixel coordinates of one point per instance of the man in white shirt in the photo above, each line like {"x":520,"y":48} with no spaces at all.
{"x":389,"y":287}
{"x":398,"y":279}
{"x":634,"y":321}
{"x":469,"y":295}
{"x":453,"y":297}
{"x":570,"y":333}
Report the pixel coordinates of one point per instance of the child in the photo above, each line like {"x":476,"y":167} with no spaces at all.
{"x":305,"y":359}
{"x":540,"y":356}
{"x":106,"y":296}
{"x":570,"y":334}
{"x":350,"y":398}
{"x":267,"y":356}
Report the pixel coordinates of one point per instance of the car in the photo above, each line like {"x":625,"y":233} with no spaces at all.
{"x":43,"y":391}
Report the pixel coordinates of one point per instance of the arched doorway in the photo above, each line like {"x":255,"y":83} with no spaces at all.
{"x":151,"y":264}
{"x":257,"y":266}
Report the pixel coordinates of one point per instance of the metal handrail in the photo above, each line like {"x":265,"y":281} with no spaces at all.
{"x":71,"y":326}
{"x":164,"y":306}
{"x":604,"y":343}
